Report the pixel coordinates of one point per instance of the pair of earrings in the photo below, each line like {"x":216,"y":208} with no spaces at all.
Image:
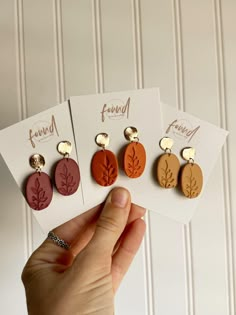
{"x":169,"y":172}
{"x":104,"y":164}
{"x":39,"y":189}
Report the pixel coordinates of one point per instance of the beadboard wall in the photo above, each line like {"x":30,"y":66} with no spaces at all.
{"x":52,"y":49}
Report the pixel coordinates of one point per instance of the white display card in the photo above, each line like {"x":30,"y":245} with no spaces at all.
{"x":41,"y":134}
{"x":112,"y":113}
{"x":206,"y":138}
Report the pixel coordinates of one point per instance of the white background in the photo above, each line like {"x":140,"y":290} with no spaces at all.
{"x":53,"y":49}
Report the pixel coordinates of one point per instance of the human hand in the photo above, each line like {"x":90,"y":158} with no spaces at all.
{"x":84,"y":279}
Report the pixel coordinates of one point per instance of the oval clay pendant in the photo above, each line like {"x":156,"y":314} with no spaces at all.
{"x":67,"y":176}
{"x":104,"y":167}
{"x":134,"y":159}
{"x":191,"y":180}
{"x":167,"y":170}
{"x":39,"y":191}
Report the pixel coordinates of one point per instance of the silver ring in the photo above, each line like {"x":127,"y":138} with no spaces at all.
{"x":52,"y":236}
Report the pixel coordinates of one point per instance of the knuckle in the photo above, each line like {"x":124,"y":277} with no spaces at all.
{"x":108,"y":224}
{"x":128,"y":251}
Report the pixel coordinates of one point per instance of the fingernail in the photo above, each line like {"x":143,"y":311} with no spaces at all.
{"x":119,"y":197}
{"x":143,"y":211}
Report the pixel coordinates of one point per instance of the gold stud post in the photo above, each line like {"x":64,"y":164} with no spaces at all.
{"x":166,"y":144}
{"x":102,"y":140}
{"x":64,"y":148}
{"x":37,"y":162}
{"x":188,"y":154}
{"x":131,"y":134}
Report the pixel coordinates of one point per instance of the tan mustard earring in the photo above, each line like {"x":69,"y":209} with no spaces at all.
{"x":191,"y":178}
{"x":168,"y":165}
{"x":135,"y":154}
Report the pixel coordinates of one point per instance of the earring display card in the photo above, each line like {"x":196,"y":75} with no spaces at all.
{"x":41,"y":134}
{"x":207,"y":140}
{"x":112,"y":113}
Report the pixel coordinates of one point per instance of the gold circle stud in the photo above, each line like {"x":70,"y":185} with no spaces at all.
{"x":131,"y":134}
{"x":102,"y":140}
{"x":64,"y":148}
{"x":37,"y":162}
{"x":188,"y":154}
{"x":166,"y":143}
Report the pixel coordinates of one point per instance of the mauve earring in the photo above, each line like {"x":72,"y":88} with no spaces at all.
{"x":67,"y":174}
{"x":38,"y":187}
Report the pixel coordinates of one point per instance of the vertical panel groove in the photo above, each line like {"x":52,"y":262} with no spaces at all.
{"x":138,"y":61}
{"x":139,"y":83}
{"x":225,"y":159}
{"x":23,"y":111}
{"x":187,"y":238}
{"x":180,"y":96}
{"x":150,"y":305}
{"x":96,"y":12}
{"x":59,"y":55}
{"x":178,"y":55}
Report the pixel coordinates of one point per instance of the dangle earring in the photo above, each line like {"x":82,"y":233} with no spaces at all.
{"x":38,"y":187}
{"x":167,"y":165}
{"x":67,"y":174}
{"x":104,"y":164}
{"x":191,"y":178}
{"x":135,"y":154}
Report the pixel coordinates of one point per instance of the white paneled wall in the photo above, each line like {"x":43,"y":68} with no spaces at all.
{"x":52,"y":49}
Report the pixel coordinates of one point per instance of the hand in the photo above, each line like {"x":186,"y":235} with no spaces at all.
{"x":84,"y":279}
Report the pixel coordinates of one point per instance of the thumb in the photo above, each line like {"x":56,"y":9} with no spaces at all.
{"x":112,"y":221}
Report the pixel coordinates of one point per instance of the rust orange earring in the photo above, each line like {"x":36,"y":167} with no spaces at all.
{"x":67,"y":174}
{"x":104,"y":165}
{"x":38,"y":187}
{"x":135,"y":154}
{"x":167,"y":165}
{"x":191,"y":177}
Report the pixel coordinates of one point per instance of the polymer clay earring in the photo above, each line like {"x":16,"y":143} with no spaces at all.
{"x":67,"y":174}
{"x":135,"y":154}
{"x":167,"y":165}
{"x":104,"y":164}
{"x":38,"y":187}
{"x":191,"y":178}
